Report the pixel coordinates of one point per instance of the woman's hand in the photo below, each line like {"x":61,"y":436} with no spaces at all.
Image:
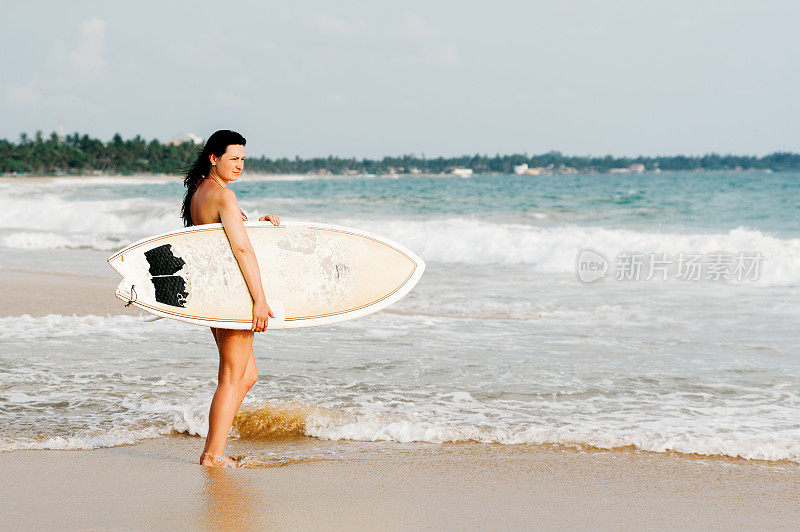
{"x":276,"y":220}
{"x":261,"y":315}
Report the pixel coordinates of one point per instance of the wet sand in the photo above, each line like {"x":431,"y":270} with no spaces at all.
{"x":307,"y":483}
{"x":42,"y":293}
{"x":155,"y":484}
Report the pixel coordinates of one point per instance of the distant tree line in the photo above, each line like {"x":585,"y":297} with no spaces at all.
{"x":79,"y":155}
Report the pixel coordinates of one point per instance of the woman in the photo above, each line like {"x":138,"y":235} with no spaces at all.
{"x":209,"y":200}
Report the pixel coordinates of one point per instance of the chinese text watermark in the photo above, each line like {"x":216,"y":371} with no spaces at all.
{"x":684,"y":266}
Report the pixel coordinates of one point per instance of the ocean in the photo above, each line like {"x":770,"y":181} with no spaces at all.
{"x":657,"y":312}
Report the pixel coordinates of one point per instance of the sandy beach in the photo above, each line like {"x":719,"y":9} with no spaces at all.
{"x":42,"y":293}
{"x":156,"y":483}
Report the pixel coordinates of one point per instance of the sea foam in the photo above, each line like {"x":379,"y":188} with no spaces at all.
{"x":556,"y":249}
{"x":277,"y":419}
{"x":110,"y":225}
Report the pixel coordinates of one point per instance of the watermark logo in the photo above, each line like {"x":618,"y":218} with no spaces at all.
{"x":684,"y":266}
{"x":591,"y":266}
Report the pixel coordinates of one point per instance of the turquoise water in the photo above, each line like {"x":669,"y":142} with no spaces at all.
{"x":680,"y":201}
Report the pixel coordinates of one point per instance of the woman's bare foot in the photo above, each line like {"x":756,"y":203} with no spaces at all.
{"x":216,"y":460}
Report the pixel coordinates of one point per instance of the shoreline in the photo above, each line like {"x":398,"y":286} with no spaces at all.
{"x":155,"y":483}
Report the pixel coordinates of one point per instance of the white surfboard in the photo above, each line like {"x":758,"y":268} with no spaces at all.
{"x":313,"y":274}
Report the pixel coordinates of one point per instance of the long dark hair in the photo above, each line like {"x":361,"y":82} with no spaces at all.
{"x":217,"y":144}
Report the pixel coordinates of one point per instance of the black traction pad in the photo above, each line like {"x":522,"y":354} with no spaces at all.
{"x":170,"y":290}
{"x":162,"y":261}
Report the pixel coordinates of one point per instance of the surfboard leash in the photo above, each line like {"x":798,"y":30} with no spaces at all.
{"x":133,"y":297}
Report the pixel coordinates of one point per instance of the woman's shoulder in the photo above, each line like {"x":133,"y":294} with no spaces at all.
{"x":215,"y":198}
{"x":221,"y":195}
{"x":224,"y":199}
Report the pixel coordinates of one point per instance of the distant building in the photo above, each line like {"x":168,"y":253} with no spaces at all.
{"x":637,"y":168}
{"x":183,"y":138}
{"x":520,"y":169}
{"x":540,"y":170}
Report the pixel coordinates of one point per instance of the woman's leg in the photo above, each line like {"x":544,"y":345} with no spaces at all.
{"x":250,"y":374}
{"x":237,"y":374}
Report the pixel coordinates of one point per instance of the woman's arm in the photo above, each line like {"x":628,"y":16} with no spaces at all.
{"x":231,"y":218}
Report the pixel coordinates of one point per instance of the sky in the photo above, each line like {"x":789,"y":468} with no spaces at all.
{"x":368,"y":79}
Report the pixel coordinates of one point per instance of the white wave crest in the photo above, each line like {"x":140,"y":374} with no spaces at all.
{"x":49,"y":221}
{"x":38,"y":240}
{"x":134,"y":216}
{"x":193,"y":423}
{"x":93,"y":181}
{"x":406,"y":429}
{"x":555,"y":249}
{"x":60,"y":326}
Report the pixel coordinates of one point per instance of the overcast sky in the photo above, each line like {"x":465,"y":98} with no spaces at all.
{"x":377,"y":78}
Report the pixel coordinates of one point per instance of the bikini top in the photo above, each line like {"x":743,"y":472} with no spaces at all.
{"x":244,"y":216}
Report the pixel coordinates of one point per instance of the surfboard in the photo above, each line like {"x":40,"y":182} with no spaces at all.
{"x":313,"y":274}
